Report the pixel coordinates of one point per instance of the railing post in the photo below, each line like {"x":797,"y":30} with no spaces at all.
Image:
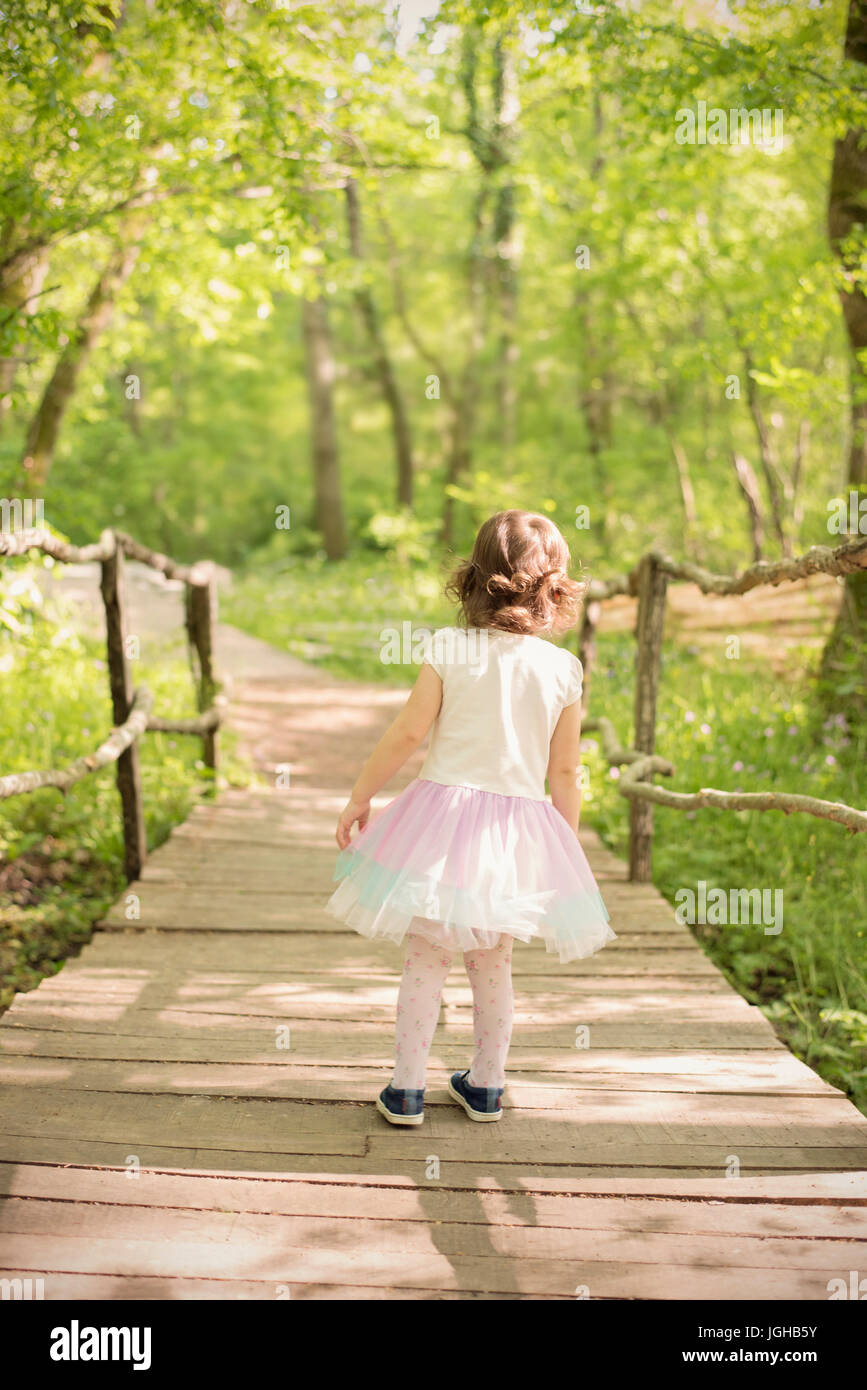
{"x":201,"y":621}
{"x":652,"y":585}
{"x":120,"y":682}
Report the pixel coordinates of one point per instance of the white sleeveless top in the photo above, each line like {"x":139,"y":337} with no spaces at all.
{"x":502,"y":696}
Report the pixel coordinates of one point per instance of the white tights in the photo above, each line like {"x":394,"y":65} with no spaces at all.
{"x":418,"y":1005}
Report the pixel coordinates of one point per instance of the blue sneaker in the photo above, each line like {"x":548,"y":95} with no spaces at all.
{"x":480,"y":1102}
{"x":401,"y":1107}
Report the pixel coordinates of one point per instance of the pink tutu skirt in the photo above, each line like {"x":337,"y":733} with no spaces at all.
{"x":462,"y":866}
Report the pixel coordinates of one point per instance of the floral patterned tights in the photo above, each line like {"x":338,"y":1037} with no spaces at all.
{"x":418,"y":1006}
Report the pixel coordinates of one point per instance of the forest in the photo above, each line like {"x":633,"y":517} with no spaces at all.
{"x":311,"y":290}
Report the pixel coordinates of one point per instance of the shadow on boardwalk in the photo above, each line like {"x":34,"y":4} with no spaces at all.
{"x":187,"y":1106}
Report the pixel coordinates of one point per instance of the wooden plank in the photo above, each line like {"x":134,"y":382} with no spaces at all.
{"x":431,"y":1270}
{"x":336,"y":1038}
{"x":376,"y":1004}
{"x":80,"y":981}
{"x":242,"y":1237}
{"x":680,"y":1166}
{"x":345,"y":1032}
{"x":343,"y":1197}
{"x":228,"y":906}
{"x":220,"y":1125}
{"x":138,"y":1288}
{"x":364,"y":961}
{"x":769,"y":1073}
{"x":783,"y":1191}
{"x":261,"y":1075}
{"x":527,"y":1103}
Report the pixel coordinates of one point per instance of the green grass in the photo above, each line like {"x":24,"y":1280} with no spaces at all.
{"x":333,"y":614}
{"x":61,"y":856}
{"x":723,"y":723}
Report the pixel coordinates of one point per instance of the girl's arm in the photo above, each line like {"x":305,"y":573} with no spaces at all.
{"x":564,"y":765}
{"x":401,"y":739}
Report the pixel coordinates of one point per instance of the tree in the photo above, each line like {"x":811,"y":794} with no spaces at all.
{"x":382,"y":366}
{"x":95,"y":316}
{"x":323,"y":425}
{"x":847,"y":228}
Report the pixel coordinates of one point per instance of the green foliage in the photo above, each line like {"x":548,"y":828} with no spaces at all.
{"x":236,"y":132}
{"x":61,"y":856}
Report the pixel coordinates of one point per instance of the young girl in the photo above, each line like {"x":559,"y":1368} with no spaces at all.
{"x":472,"y":855}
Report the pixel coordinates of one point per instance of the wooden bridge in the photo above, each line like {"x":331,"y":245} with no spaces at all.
{"x":186,"y":1109}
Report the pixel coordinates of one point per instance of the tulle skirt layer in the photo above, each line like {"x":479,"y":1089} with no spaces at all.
{"x":462,"y":866}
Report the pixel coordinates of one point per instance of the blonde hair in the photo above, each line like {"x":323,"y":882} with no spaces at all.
{"x":517,"y":577}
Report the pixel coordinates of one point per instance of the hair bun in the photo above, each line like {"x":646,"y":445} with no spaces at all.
{"x":513,"y":585}
{"x":518,"y":577}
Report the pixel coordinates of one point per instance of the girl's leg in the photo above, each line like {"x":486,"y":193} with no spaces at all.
{"x":490,"y":975}
{"x":418,"y":1006}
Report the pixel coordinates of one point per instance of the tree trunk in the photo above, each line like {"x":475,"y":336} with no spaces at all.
{"x":595,"y":401}
{"x":19,"y":296}
{"x":382,"y":363}
{"x":749,"y":486}
{"x":506,"y":108}
{"x":775,"y":485}
{"x":801,"y":448}
{"x":847,"y":225}
{"x":460,"y":453}
{"x":44,"y":428}
{"x":323,"y":427}
{"x":465,"y":403}
{"x":23,"y":267}
{"x":687,"y":495}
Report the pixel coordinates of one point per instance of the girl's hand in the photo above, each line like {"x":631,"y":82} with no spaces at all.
{"x":353,"y":811}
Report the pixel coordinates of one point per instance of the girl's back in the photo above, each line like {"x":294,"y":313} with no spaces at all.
{"x":503,"y":694}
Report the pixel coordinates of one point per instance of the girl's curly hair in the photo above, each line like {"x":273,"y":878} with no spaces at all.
{"x":517,"y":578}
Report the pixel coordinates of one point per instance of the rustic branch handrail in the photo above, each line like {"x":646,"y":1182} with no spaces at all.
{"x":201,"y":724}
{"x":19,"y":542}
{"x":819,"y":559}
{"x":615,"y":755}
{"x":634,"y":784}
{"x":648,"y":582}
{"x":37,"y":538}
{"x":132,"y":710}
{"x":120,"y":738}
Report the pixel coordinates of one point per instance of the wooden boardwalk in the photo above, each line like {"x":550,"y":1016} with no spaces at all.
{"x":186,"y":1109}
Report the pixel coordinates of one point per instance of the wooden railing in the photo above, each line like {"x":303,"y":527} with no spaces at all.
{"x":131,"y":708}
{"x":648,"y":582}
